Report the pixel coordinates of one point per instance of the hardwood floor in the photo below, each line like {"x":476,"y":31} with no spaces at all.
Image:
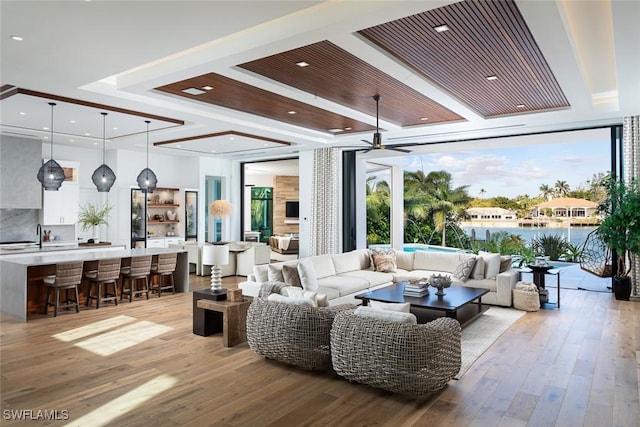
{"x":139,"y":364}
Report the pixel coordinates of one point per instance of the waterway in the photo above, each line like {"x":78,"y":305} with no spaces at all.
{"x":577,"y":235}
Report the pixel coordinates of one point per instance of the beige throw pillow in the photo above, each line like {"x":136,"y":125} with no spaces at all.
{"x":274,"y":274}
{"x":291,"y":276}
{"x":308,"y":277}
{"x":390,"y":306}
{"x":491,"y":264}
{"x":465,"y":266}
{"x":478,"y":269}
{"x":384,"y":263}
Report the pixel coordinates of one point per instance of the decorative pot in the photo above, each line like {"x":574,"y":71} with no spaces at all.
{"x":171,"y":216}
{"x":622,"y":288}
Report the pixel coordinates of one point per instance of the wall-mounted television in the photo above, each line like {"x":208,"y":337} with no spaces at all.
{"x":292,"y":209}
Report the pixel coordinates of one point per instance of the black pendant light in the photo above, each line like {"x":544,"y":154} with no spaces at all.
{"x":103,"y":177}
{"x":51,"y":174}
{"x":147,"y":180}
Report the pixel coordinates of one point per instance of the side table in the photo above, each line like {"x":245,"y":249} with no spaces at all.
{"x":211,"y":316}
{"x":539,"y":272}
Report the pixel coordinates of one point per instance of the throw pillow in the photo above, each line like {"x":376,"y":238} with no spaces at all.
{"x":491,"y":264}
{"x":260,"y":273}
{"x":478,"y":269}
{"x":307,"y":273}
{"x":288,"y":300}
{"x":373,"y":252}
{"x":274,"y":274}
{"x":291,"y":276}
{"x":384,"y":263}
{"x":389,"y":316}
{"x":465,"y":266}
{"x":293,"y":292}
{"x":505,"y":263}
{"x":390,"y":306}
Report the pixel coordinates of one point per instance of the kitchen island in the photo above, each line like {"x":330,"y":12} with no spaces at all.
{"x":21,"y":290}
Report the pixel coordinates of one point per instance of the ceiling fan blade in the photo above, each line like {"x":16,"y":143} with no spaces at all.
{"x":364,"y":140}
{"x":402,"y":150}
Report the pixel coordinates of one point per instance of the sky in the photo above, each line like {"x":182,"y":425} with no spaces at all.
{"x":517,"y":171}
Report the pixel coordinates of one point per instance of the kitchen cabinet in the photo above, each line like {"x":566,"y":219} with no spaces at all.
{"x":61,"y":207}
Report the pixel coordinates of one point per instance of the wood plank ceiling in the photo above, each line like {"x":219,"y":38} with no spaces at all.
{"x":334,"y":74}
{"x":485,"y":38}
{"x":230,"y":93}
{"x":487,"y":59}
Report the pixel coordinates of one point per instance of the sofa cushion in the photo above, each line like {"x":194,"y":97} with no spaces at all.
{"x":390,"y":316}
{"x":274,"y":274}
{"x":291,"y":276}
{"x":374,"y":278}
{"x":404,"y":260}
{"x":390,"y":306}
{"x":308,"y":277}
{"x":491,"y":264}
{"x":348,"y":261}
{"x":261,"y":273}
{"x":344,"y":285}
{"x":436,"y":261}
{"x":289,"y":300}
{"x":320,"y":300}
{"x":482,"y":284}
{"x":323,"y":265}
{"x":478,"y":269}
{"x":364,"y":258}
{"x":329,"y":292}
{"x":384,"y":263}
{"x":465,"y":266}
{"x":505,"y":263}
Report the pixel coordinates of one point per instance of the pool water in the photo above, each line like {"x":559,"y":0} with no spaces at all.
{"x":413,"y":247}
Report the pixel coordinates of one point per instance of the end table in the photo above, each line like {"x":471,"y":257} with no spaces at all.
{"x":211,"y":316}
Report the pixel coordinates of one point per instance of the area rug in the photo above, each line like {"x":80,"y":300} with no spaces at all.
{"x":483,"y":332}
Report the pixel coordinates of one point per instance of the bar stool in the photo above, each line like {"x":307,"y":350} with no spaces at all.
{"x":68,"y":276}
{"x":165,"y":266}
{"x":107,"y":274}
{"x":139,"y":269}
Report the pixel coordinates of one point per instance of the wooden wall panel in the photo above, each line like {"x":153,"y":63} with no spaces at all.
{"x":285,"y":188}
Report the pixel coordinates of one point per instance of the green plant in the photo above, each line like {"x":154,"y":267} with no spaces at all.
{"x":620,"y":226}
{"x":550,"y":245}
{"x":91,"y":215}
{"x":571,"y":253}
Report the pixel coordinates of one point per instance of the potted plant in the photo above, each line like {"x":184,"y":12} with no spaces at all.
{"x":91,"y":216}
{"x":620,"y":229}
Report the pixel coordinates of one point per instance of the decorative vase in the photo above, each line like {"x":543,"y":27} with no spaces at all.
{"x":171,"y":216}
{"x":440,"y":282}
{"x":440,"y":291}
{"x":622,"y":288}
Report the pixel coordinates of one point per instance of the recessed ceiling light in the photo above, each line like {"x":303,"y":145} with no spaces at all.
{"x":87,"y":134}
{"x":17,"y":38}
{"x":72,"y":140}
{"x":231,"y":138}
{"x":95,"y":143}
{"x":45,"y":128}
{"x":347,"y":128}
{"x":492,"y":77}
{"x":335,"y":130}
{"x":291,"y":112}
{"x":207,"y":87}
{"x":193,"y":91}
{"x":115,"y":128}
{"x":441,"y":28}
{"x":22,"y":113}
{"x":302,"y":64}
{"x":520,"y":106}
{"x":424,"y":118}
{"x":178,"y":146}
{"x":72,"y":121}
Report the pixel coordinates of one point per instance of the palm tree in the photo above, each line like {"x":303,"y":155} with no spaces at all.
{"x":546,"y":192}
{"x":561,"y":188}
{"x":444,"y":200}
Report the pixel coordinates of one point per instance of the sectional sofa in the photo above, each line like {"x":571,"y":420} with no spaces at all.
{"x":342,"y":276}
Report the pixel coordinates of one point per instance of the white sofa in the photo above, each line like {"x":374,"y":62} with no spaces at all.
{"x":342,"y":276}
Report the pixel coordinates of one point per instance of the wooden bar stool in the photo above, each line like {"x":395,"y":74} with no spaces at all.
{"x":107,"y":274}
{"x":68,"y":276}
{"x":165,"y":267}
{"x":139,"y":270}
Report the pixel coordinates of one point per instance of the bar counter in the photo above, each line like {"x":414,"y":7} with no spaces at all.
{"x":21,"y":289}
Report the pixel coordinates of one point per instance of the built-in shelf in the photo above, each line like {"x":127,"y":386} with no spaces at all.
{"x":166,"y":221}
{"x":292,"y":221}
{"x":163,"y":205}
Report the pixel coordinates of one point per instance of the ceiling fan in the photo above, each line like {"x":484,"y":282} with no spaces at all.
{"x":377,"y":138}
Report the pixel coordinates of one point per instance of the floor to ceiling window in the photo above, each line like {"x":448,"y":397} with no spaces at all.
{"x":378,"y":193}
{"x":213,"y":192}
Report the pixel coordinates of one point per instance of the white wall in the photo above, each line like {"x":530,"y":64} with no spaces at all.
{"x":305,"y":167}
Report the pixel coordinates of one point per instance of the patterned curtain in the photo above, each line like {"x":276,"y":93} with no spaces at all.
{"x":631,"y":169}
{"x":324,"y":203}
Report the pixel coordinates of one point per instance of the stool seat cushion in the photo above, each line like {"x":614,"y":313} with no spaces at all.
{"x":125,"y":270}
{"x":91,"y":274}
{"x":50,"y":280}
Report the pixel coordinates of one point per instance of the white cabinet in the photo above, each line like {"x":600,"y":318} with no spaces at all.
{"x":61,"y":207}
{"x":172,"y":241}
{"x":155,"y":243}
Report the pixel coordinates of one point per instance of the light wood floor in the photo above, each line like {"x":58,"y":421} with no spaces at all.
{"x":139,"y":364}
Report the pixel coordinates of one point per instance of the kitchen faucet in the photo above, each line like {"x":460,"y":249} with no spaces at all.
{"x":39,"y":233}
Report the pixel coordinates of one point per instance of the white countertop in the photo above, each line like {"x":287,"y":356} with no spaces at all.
{"x":35,"y":259}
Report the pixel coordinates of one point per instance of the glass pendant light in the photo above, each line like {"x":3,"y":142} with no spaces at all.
{"x":147,"y":180}
{"x":51,"y":174}
{"x":103,"y":177}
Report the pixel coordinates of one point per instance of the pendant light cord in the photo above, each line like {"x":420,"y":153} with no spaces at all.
{"x":51,"y":139}
{"x":104,"y":125}
{"x":147,"y":122}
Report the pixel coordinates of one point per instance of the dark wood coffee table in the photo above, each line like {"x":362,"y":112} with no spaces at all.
{"x":459,"y":302}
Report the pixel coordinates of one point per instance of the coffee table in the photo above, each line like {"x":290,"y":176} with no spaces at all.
{"x":459,"y":302}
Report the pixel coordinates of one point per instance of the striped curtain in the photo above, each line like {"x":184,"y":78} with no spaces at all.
{"x":631,"y":170}
{"x":324,"y":203}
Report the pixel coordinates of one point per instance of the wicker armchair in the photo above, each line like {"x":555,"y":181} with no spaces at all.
{"x":293,"y":334}
{"x":409,"y":359}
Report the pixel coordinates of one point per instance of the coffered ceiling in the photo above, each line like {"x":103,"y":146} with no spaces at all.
{"x":258,"y":79}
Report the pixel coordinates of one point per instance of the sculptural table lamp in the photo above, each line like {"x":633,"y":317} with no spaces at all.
{"x":216,"y":256}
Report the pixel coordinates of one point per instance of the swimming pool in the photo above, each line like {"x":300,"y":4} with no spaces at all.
{"x":413,"y":247}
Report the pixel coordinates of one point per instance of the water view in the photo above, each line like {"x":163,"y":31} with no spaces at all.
{"x":576,"y":238}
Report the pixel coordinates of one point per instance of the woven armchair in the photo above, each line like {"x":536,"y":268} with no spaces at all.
{"x":294,"y":334}
{"x":409,"y":359}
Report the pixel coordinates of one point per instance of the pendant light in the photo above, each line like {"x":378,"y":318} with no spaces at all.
{"x":147,"y":180}
{"x":51,"y":174}
{"x":103,"y":177}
